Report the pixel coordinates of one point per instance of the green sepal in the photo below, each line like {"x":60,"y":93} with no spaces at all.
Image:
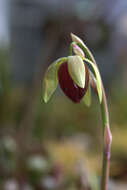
{"x":87,"y":97}
{"x":77,"y":50}
{"x":81,"y":44}
{"x":50,"y":81}
{"x":76,"y":70}
{"x":98,"y":78}
{"x":76,"y":39}
{"x":90,"y":59}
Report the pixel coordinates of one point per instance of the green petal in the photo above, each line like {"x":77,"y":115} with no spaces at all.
{"x":76,"y":69}
{"x":50,"y":79}
{"x":98,"y":79}
{"x":87,"y":97}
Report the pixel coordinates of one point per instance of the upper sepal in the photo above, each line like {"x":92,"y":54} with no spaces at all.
{"x":83,"y":46}
{"x":50,"y":79}
{"x":77,"y":50}
{"x":76,"y":39}
{"x":90,"y":59}
{"x":76,"y":70}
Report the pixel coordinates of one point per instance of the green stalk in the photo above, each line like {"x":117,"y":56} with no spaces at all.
{"x":107,"y":136}
{"x":107,"y":140}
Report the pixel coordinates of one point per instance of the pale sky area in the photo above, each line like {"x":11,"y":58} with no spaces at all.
{"x":4,"y":33}
{"x":113,"y":16}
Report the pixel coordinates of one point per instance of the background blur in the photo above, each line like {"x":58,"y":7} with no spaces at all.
{"x":58,"y":145}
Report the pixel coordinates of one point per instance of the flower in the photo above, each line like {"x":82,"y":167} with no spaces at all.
{"x":69,"y":87}
{"x":73,"y":74}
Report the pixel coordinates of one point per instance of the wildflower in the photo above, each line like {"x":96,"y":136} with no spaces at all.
{"x":76,"y":78}
{"x":73,"y":75}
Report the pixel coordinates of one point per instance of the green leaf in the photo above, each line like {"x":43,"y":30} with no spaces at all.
{"x":76,"y":69}
{"x":98,"y":79}
{"x":87,"y":97}
{"x":50,"y":79}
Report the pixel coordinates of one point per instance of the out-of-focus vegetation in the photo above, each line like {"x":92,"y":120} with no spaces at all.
{"x":58,"y":145}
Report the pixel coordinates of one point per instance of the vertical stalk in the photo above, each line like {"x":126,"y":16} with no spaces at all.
{"x":107,"y":140}
{"x":107,"y":136}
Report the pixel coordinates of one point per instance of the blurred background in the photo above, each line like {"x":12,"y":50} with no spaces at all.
{"x":58,"y":145}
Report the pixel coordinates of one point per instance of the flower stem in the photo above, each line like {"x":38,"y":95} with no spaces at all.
{"x":107,"y":140}
{"x":107,"y":136}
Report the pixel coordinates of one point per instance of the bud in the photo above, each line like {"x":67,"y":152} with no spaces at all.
{"x":73,"y":75}
{"x":77,"y":50}
{"x":76,"y":39}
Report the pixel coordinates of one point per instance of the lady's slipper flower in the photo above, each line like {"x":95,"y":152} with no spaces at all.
{"x":73,"y":74}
